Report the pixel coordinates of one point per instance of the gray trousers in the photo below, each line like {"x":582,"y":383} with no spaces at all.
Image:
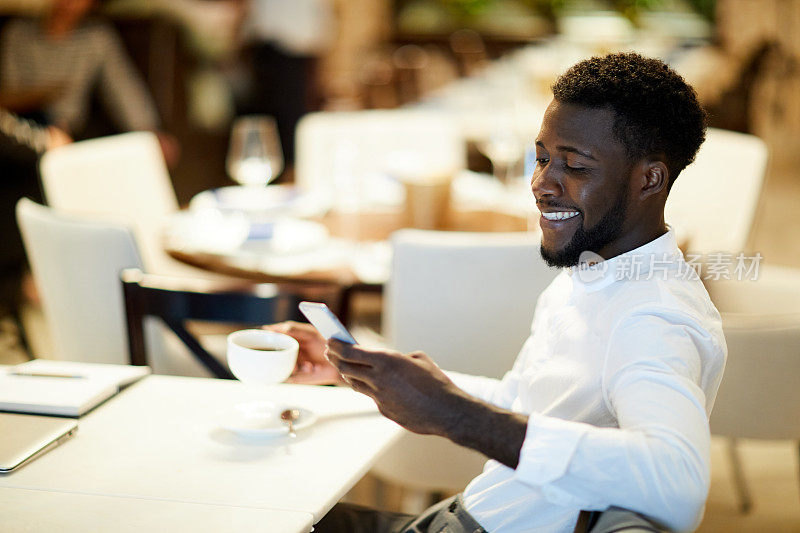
{"x":448,"y":516}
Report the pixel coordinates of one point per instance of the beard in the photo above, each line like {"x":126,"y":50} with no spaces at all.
{"x":592,"y":239}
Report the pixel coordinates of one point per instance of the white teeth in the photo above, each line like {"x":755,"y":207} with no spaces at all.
{"x":560,"y":215}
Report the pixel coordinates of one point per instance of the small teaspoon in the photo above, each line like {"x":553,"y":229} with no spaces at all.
{"x":289,"y":416}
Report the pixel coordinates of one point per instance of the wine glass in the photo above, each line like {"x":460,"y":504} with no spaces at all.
{"x":503,"y":148}
{"x":254,"y":155}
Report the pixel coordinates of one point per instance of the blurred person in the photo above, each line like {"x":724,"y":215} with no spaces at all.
{"x":608,"y":401}
{"x":22,"y":142}
{"x":285,"y":39}
{"x":64,"y":57}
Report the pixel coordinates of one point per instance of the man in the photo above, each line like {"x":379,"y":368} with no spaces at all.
{"x":608,"y":401}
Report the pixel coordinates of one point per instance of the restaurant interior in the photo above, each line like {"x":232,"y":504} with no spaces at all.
{"x":174,"y":171}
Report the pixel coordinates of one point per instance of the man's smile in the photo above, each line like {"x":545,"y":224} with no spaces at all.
{"x":557,"y":217}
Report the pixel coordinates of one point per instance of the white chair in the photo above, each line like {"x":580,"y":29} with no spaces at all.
{"x":776,"y":291}
{"x":121,"y":175}
{"x":714,"y":200}
{"x":76,"y":263}
{"x":341,"y":153}
{"x":759,"y":397}
{"x":467,"y":300}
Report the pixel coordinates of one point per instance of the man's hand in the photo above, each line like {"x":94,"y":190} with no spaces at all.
{"x":408,"y":388}
{"x":411,"y":390}
{"x":312,"y":367}
{"x":57,"y":137}
{"x":170,"y":147}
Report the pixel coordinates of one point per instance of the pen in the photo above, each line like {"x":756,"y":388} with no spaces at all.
{"x":42,"y":374}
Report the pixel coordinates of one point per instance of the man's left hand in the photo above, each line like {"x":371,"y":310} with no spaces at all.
{"x":408,"y":388}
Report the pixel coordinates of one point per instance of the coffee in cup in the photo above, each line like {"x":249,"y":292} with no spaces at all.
{"x":261,"y":356}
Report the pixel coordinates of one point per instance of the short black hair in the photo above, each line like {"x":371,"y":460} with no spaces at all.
{"x":657,"y":112}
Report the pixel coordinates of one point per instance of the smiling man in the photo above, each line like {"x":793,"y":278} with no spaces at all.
{"x":608,"y":401}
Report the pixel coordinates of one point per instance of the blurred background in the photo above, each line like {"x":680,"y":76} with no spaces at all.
{"x":204,"y":62}
{"x":73,"y":70}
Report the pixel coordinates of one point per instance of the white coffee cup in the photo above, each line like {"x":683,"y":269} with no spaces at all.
{"x":260,"y":356}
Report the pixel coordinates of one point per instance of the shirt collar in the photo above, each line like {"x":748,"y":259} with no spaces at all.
{"x":593,"y":276}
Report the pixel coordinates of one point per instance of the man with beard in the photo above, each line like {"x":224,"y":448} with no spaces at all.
{"x":607,"y":403}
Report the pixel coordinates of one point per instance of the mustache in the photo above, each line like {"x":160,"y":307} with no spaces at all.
{"x":541,"y":204}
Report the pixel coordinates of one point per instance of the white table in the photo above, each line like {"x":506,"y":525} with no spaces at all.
{"x":65,"y":512}
{"x":161,"y":439}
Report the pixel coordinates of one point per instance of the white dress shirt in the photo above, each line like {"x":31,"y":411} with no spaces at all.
{"x":618,"y":378}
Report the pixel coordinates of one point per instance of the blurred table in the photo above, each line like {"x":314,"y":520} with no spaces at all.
{"x":363,"y":227}
{"x":159,"y":447}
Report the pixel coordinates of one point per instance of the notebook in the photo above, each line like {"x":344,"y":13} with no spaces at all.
{"x":62,"y":388}
{"x":26,"y":437}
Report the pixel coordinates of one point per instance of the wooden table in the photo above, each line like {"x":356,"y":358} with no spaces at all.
{"x":158,"y":447}
{"x":363,"y":227}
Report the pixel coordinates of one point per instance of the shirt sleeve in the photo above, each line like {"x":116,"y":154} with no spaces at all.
{"x":657,"y":462}
{"x":121,"y":88}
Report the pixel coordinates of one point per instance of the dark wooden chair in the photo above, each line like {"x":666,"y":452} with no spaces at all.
{"x":176,"y":300}
{"x":615,"y":519}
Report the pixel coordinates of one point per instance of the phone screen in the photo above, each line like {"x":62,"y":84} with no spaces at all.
{"x":322,"y":318}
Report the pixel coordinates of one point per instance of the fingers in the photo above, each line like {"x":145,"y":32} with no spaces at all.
{"x":294,"y":329}
{"x":315,"y":375}
{"x":308,"y":337}
{"x":351,"y":371}
{"x":354,"y":353}
{"x":362,"y":387}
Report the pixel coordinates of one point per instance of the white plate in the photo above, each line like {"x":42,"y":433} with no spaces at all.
{"x":259,"y":203}
{"x":263,"y":419}
{"x":210,"y":231}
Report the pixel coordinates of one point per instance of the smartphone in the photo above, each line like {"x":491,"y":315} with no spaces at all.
{"x":326,"y":322}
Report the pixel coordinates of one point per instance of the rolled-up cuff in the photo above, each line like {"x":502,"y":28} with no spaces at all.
{"x":547,"y":450}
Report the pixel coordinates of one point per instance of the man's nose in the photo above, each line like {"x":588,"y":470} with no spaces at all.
{"x":544,"y":183}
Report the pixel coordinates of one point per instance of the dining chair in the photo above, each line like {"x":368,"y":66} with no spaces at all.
{"x":467,"y":300}
{"x":123,"y":176}
{"x":713,"y":202}
{"x":76,"y":264}
{"x":758,"y":395}
{"x":176,"y":300}
{"x":615,"y":519}
{"x":346,"y":153}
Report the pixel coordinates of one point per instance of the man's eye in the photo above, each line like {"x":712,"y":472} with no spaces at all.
{"x":577,"y":169}
{"x":542,"y":160}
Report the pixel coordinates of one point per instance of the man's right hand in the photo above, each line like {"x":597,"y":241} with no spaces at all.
{"x":312,"y":368}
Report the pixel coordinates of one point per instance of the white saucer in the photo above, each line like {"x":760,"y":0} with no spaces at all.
{"x":263,"y":419}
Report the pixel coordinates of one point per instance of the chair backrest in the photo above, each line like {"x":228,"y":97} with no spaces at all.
{"x":174,"y":303}
{"x":761,"y":322}
{"x":124,"y":175}
{"x":615,"y":519}
{"x":363,"y":143}
{"x":714,"y":200}
{"x":775,"y":291}
{"x":466,"y":299}
{"x":76,"y":265}
{"x":759,"y":397}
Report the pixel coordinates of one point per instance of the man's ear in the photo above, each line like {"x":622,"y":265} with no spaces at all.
{"x":652,"y":179}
